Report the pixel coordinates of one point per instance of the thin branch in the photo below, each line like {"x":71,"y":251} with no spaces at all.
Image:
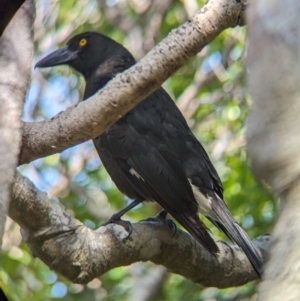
{"x":16,"y":50}
{"x":91,"y":117}
{"x":202,"y":79}
{"x":81,"y":254}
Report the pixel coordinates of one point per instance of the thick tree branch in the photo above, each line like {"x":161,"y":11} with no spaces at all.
{"x":16,"y":49}
{"x":90,"y":118}
{"x":81,"y":254}
{"x":273,"y":133}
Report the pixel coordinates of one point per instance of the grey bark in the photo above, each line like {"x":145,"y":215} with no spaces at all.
{"x":273,"y":133}
{"x":7,"y":11}
{"x":91,"y":117}
{"x":16,"y":50}
{"x":81,"y":254}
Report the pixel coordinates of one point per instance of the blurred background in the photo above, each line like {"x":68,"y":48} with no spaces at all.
{"x":210,"y":91}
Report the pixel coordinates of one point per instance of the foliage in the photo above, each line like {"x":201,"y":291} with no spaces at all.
{"x":210,"y":91}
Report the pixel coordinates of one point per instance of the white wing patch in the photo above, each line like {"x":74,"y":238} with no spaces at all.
{"x":135,"y":173}
{"x":204,"y":203}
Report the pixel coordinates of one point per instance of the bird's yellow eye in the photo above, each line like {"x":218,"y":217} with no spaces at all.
{"x":82,"y":42}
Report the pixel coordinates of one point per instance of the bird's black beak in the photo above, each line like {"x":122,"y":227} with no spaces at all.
{"x":58,"y":57}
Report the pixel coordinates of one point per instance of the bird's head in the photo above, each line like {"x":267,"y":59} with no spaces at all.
{"x":90,"y":53}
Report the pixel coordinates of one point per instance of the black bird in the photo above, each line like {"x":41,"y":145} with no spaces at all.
{"x":151,"y":153}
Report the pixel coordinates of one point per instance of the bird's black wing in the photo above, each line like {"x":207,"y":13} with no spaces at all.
{"x":187,"y":148}
{"x":138,"y":143}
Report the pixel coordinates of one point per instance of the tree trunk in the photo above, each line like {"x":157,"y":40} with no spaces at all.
{"x":273,"y":133}
{"x":16,"y":51}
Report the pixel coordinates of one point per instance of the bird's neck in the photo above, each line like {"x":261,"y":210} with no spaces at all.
{"x":104,"y":73}
{"x":94,"y":85}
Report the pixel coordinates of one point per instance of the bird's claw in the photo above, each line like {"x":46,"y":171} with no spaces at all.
{"x":161,"y":218}
{"x":118,"y":221}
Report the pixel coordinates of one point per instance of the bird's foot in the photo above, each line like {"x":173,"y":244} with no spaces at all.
{"x":161,"y":218}
{"x":117,"y":220}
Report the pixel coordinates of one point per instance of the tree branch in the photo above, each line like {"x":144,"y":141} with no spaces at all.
{"x":16,"y":50}
{"x":81,"y":254}
{"x":91,"y":117}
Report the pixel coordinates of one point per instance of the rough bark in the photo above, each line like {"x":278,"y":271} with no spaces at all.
{"x":16,"y":50}
{"x":81,"y":254}
{"x":273,"y":133}
{"x":90,"y":118}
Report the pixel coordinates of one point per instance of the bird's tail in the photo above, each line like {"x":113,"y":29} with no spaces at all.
{"x":192,"y":223}
{"x":230,"y":227}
